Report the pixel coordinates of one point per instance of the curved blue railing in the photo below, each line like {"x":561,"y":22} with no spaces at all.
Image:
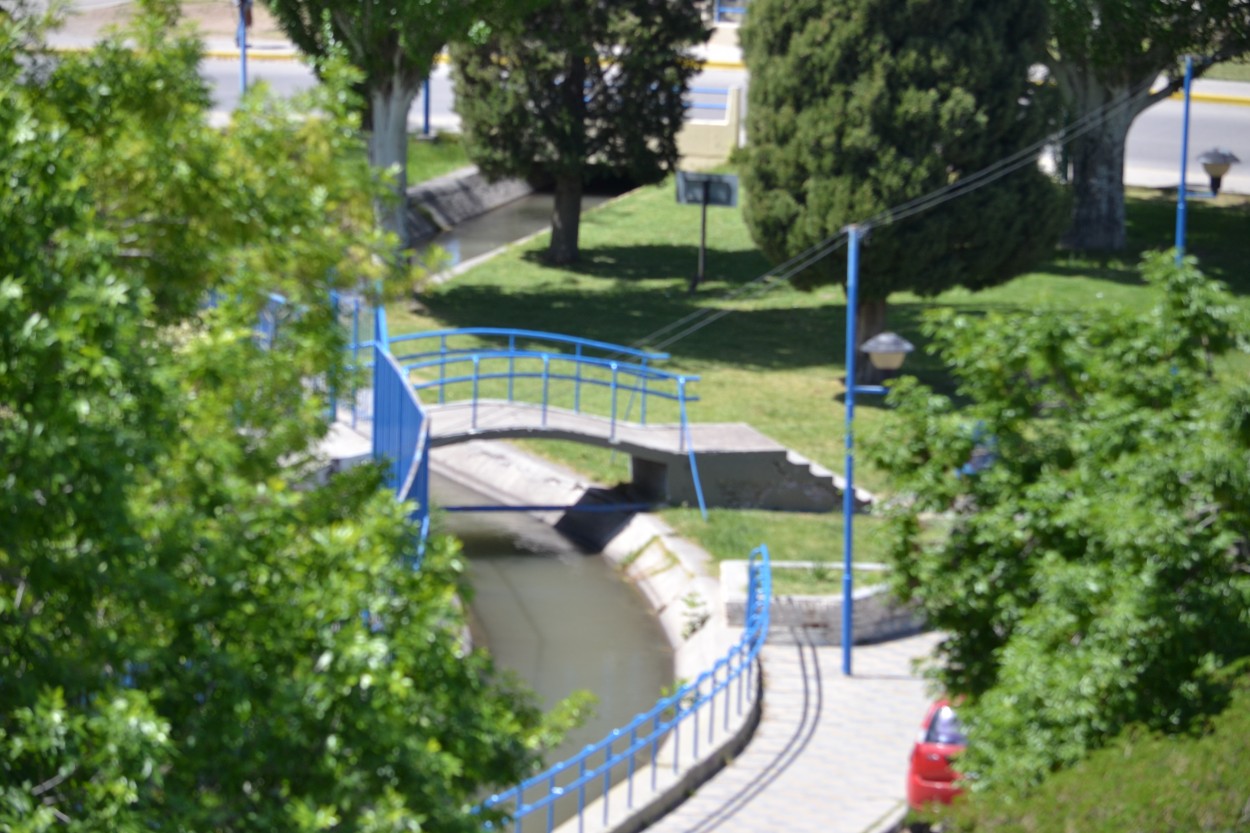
{"x":559,"y":379}
{"x":474,"y":355}
{"x":560,"y":792}
{"x":477,"y":364}
{"x":513,"y":338}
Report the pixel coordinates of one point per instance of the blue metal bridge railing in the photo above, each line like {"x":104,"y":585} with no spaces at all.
{"x":634,"y":750}
{"x":471,"y":365}
{"x":549,"y":370}
{"x":401,"y":430}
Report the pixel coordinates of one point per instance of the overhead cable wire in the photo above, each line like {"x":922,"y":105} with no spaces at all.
{"x":783,"y":273}
{"x":721,"y":312}
{"x":1020,"y":159}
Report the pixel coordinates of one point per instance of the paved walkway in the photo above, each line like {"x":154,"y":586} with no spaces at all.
{"x":830,"y":754}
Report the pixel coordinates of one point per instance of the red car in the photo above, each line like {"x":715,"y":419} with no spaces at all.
{"x":930,"y":778}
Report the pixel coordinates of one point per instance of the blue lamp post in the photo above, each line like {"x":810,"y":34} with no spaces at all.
{"x":245,"y":20}
{"x":1215,"y":162}
{"x":886,"y":351}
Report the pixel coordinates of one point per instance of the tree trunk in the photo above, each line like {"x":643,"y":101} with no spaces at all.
{"x":388,"y":150}
{"x":566,"y":219}
{"x":1097,"y":159}
{"x":870,"y":319}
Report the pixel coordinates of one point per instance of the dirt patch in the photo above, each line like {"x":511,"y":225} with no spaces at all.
{"x":214,"y":19}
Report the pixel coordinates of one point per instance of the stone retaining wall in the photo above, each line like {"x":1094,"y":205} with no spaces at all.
{"x":876,"y":616}
{"x":439,"y":204}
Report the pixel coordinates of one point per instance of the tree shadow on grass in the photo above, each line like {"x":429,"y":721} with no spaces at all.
{"x":662,"y":263}
{"x":707,"y":333}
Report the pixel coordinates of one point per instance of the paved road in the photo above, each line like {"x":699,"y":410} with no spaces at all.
{"x":1152,"y":154}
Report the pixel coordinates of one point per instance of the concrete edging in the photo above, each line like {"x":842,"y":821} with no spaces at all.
{"x":877,"y":617}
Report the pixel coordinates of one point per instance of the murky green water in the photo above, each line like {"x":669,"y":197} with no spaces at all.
{"x":561,"y":619}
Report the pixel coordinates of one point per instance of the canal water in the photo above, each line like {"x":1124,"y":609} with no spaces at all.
{"x":503,"y":225}
{"x":560,"y":618}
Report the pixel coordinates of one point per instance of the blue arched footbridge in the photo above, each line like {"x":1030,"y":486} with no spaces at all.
{"x":442,"y":387}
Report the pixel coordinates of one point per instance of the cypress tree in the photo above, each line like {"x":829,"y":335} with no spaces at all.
{"x":860,"y":106}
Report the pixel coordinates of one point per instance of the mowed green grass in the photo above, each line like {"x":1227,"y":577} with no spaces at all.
{"x":433,"y":156}
{"x":768,"y":354}
{"x":1230,"y":71}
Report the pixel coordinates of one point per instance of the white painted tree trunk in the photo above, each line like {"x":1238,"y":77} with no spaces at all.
{"x":388,"y":150}
{"x":1097,"y":158}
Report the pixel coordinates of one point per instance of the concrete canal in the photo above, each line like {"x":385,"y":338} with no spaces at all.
{"x":560,"y":618}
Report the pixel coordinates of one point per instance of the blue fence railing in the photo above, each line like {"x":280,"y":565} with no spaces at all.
{"x":401,"y":429}
{"x":345,"y":404}
{"x":670,"y":735}
{"x":731,"y":12}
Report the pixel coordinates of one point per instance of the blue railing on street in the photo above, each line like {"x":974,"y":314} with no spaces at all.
{"x":726,"y":13}
{"x":712,"y":99}
{"x":633,"y":750}
{"x":351,"y":311}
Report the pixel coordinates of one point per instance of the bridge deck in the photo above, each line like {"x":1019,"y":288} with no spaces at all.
{"x":455,"y":422}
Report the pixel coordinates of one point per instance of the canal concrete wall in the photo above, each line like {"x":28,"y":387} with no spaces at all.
{"x":439,"y":204}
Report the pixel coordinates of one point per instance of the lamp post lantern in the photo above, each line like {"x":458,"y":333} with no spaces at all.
{"x":886,"y":351}
{"x":1216,"y":163}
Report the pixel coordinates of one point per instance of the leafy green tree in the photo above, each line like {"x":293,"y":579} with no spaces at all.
{"x":394,"y":44}
{"x":1106,"y":57}
{"x":1096,"y":573}
{"x":198,"y":634}
{"x":862,"y":106}
{"x":575,"y":89}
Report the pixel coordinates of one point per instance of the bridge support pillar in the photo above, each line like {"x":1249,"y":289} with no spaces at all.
{"x":649,"y":479}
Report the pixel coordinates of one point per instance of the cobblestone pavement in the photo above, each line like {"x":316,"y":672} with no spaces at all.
{"x":830,"y":754}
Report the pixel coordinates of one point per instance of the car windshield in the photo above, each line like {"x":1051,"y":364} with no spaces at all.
{"x":945,"y":728}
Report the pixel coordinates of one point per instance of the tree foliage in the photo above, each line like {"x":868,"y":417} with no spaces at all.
{"x":856,"y":108}
{"x":576,"y":88}
{"x":197,"y":634}
{"x":394,"y":44}
{"x":1096,"y":573}
{"x":1106,"y":57}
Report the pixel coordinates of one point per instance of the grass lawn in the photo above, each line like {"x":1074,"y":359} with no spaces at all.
{"x":434,"y":156}
{"x":1229,"y":71}
{"x":774,"y":360}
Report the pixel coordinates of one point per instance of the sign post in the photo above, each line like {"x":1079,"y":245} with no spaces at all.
{"x":705,"y":190}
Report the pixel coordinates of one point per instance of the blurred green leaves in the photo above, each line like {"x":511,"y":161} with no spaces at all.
{"x":1097,"y":573}
{"x":196,"y":631}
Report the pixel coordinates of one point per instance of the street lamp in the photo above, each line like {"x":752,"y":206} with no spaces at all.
{"x":1216,"y":163}
{"x":886,"y":351}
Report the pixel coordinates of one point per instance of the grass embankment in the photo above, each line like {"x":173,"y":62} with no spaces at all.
{"x":433,"y":156}
{"x":776,"y":361}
